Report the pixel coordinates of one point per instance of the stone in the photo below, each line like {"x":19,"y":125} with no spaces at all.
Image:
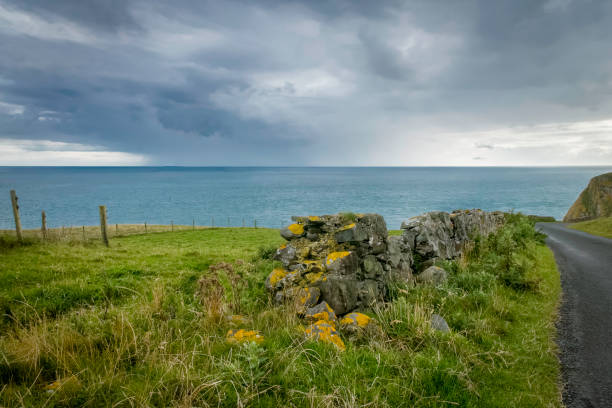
{"x":355,"y":321}
{"x":273,"y":282}
{"x":325,"y":332}
{"x":322,"y":311}
{"x":439,"y":235}
{"x":341,"y":293}
{"x":433,"y":235}
{"x":342,"y":262}
{"x":467,"y":224}
{"x":356,"y":325}
{"x":400,"y":260}
{"x":595,"y":200}
{"x":434,"y":275}
{"x":350,"y":233}
{"x":238,"y":336}
{"x":438,"y":323}
{"x":285,"y":254}
{"x":292,"y":231}
{"x":301,"y":297}
{"x":371,"y":267}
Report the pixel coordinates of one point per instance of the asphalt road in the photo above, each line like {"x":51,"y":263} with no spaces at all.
{"x":585,"y":323}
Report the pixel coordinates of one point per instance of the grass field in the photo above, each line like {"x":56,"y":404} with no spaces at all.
{"x":85,"y":325}
{"x":599,"y":226}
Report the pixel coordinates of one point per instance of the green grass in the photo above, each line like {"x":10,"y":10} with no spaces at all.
{"x":599,"y":226}
{"x":126,"y":326}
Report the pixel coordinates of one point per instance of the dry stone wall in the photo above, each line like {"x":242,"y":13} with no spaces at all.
{"x":339,"y":263}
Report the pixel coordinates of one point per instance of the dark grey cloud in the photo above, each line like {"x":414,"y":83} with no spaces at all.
{"x":339,"y":82}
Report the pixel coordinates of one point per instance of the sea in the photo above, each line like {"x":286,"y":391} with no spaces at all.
{"x":269,"y":196}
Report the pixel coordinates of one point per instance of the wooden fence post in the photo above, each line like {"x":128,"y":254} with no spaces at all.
{"x":255,"y":223}
{"x":172,"y":226}
{"x":16,"y":215}
{"x":228,"y":221}
{"x":84,"y":236}
{"x":145,"y":227}
{"x":103,"y":224}
{"x":43,"y":226}
{"x":242,"y":222}
{"x":212,"y":222}
{"x":116,"y":229}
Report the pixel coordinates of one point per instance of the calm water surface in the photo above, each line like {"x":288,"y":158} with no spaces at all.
{"x":159,"y":195}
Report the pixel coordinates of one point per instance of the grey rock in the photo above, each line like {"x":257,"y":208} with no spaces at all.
{"x":322,"y":311}
{"x":346,"y":265}
{"x":433,"y":235}
{"x":438,"y":323}
{"x":369,"y":293}
{"x":285,"y":255}
{"x":399,"y":259}
{"x":434,"y":275}
{"x":288,"y":235}
{"x":341,"y":293}
{"x":353,"y":234}
{"x":371,"y":267}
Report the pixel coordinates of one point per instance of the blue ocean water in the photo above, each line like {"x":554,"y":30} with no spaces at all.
{"x":159,"y":195}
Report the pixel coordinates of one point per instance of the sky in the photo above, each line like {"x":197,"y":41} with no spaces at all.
{"x":312,"y":83}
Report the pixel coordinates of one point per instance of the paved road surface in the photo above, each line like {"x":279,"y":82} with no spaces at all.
{"x":585,"y":324}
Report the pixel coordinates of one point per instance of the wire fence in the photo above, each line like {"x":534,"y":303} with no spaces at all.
{"x":107,"y":229}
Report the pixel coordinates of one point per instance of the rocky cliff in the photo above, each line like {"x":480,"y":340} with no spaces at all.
{"x":594,"y":202}
{"x":339,"y":263}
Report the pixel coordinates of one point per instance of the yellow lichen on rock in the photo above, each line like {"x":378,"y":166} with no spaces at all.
{"x":314,"y":277}
{"x":296,"y":229}
{"x":314,"y":218}
{"x":308,"y":297}
{"x":325,"y":332}
{"x":359,"y":319}
{"x":276,"y":275}
{"x":334,"y":256}
{"x":242,"y":336}
{"x":283,"y":246}
{"x":347,"y":227}
{"x":327,"y":314}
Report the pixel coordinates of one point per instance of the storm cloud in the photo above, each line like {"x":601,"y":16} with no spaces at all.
{"x":192,"y":82}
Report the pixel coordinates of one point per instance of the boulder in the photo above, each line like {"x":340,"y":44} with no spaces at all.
{"x":341,"y":293}
{"x":434,"y":275}
{"x":322,"y":311}
{"x":358,"y":325}
{"x":286,"y":254}
{"x":400,"y":259}
{"x":325,"y":332}
{"x":430,"y":235}
{"x":595,"y":200}
{"x":273,"y":282}
{"x":292,"y":231}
